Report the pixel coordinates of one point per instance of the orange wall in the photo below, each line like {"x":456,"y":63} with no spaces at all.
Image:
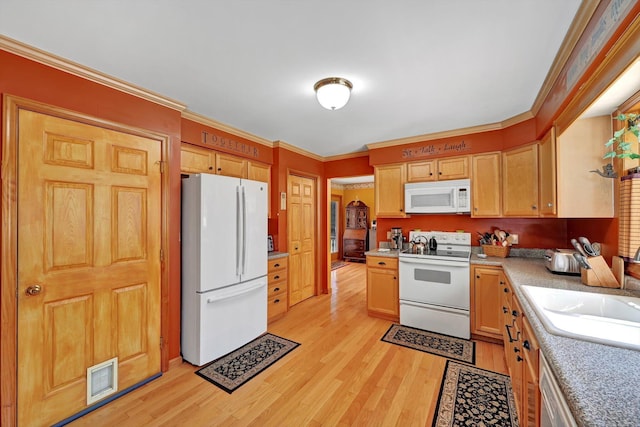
{"x":28,"y":79}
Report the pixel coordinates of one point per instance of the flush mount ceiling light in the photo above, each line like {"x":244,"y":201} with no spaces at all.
{"x":333,"y":92}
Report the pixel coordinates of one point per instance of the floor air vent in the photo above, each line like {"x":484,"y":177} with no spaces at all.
{"x":102,"y":380}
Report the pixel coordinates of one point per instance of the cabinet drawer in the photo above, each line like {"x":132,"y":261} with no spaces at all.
{"x":382,"y":262}
{"x":277,"y":264}
{"x":276,"y":305}
{"x":276,"y":288}
{"x":276,"y":276}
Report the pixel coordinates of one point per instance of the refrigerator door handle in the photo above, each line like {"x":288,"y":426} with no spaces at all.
{"x":244,"y":230}
{"x":239,"y":238}
{"x":211,"y":300}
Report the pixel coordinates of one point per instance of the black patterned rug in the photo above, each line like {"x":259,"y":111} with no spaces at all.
{"x":430,"y":342}
{"x":236,"y":368}
{"x":470,"y":396}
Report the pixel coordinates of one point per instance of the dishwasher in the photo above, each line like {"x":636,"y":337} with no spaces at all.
{"x":554,"y":411}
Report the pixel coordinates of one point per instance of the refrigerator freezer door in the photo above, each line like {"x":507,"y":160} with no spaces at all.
{"x":223,"y":320}
{"x":254,"y":196}
{"x":210,"y":225}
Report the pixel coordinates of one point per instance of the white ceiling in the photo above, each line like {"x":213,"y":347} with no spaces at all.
{"x":417,"y":67}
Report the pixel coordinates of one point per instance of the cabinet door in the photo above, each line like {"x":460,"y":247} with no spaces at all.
{"x":229,"y":165}
{"x":486,"y":189}
{"x":520,"y":181}
{"x":453,"y":168}
{"x":196,"y":159}
{"x":486,"y":318}
{"x":259,"y":172}
{"x":548,"y":174}
{"x":530,"y":416}
{"x":421,"y":171}
{"x":389,"y":190}
{"x":382,"y":292}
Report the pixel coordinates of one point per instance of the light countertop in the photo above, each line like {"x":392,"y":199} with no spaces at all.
{"x":276,"y":255}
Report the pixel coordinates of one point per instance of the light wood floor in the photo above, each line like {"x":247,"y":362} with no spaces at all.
{"x":342,"y":374}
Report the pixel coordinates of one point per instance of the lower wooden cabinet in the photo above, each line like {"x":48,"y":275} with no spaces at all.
{"x":277,"y":303}
{"x":521,"y":355}
{"x":486,"y":298}
{"x":530,"y":415}
{"x":382,"y":288}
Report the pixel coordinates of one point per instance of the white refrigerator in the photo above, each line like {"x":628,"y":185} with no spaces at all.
{"x":224,"y":265}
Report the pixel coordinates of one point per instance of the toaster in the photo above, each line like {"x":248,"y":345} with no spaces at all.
{"x":561,"y":261}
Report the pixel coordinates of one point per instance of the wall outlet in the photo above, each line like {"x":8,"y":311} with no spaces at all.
{"x":515,"y":239}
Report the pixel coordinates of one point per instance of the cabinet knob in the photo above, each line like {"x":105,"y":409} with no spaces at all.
{"x":430,"y":173}
{"x":506,"y":290}
{"x":275,"y":301}
{"x":534,"y":207}
{"x":394,"y":277}
{"x":276,"y":277}
{"x":219,"y":169}
{"x":382,"y":263}
{"x":518,"y":359}
{"x":210,"y":168}
{"x":276,"y":289}
{"x":276,"y":265}
{"x":439,"y":173}
{"x":526,"y":345}
{"x":478,"y":276}
{"x":550,"y":205}
{"x":475,"y":209}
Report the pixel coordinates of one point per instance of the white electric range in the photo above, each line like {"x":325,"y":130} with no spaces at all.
{"x":434,"y":284}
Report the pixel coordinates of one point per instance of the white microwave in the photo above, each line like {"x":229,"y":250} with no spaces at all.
{"x":453,"y":196}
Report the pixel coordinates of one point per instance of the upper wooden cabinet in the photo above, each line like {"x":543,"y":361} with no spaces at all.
{"x":547,"y":174}
{"x":421,"y":171}
{"x":438,"y":169}
{"x":520,"y":181}
{"x":581,"y":191}
{"x":259,"y":171}
{"x":196,"y":159}
{"x":229,"y":165}
{"x":389,"y":190}
{"x":453,"y":168}
{"x":486,"y":191}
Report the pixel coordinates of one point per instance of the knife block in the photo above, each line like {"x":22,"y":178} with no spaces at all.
{"x":599,"y":274}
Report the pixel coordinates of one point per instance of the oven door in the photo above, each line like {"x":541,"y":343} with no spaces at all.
{"x":438,"y":282}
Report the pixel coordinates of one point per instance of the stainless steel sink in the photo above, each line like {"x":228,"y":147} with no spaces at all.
{"x":602,"y":318}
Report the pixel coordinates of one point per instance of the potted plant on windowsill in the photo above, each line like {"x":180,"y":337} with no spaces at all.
{"x":618,"y":146}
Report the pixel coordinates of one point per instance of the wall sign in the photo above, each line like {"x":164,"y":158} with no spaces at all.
{"x":230,"y":144}
{"x":435,"y":149}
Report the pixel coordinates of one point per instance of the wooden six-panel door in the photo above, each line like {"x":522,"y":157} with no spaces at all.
{"x":302,"y":243}
{"x":89,"y":227}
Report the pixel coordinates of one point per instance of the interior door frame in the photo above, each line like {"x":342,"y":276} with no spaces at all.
{"x":318,"y":234}
{"x":340,"y":226}
{"x":9,"y":239}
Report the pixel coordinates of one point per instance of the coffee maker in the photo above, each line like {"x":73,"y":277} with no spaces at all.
{"x":396,"y":238}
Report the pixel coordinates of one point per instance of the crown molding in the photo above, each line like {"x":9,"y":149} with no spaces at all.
{"x":346,"y":156}
{"x":198,"y":118}
{"x":287,"y":146}
{"x":21,"y":49}
{"x":583,"y":16}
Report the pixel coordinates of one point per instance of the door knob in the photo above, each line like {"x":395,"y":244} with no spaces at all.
{"x":33,"y":290}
